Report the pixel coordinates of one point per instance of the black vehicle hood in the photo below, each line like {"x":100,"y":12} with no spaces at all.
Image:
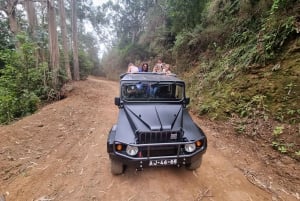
{"x":154,"y":117}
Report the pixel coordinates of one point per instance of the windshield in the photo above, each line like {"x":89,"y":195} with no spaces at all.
{"x":153,"y":91}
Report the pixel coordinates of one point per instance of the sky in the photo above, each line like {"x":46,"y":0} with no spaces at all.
{"x":99,"y":2}
{"x":102,"y":47}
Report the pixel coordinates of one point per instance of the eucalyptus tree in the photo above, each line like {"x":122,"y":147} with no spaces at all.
{"x":129,"y":19}
{"x":157,"y":35}
{"x":101,"y":18}
{"x":31,"y":16}
{"x":64,"y":36}
{"x":6,"y":41}
{"x":53,"y":41}
{"x":89,"y":46}
{"x":75,"y":41}
{"x":9,"y":7}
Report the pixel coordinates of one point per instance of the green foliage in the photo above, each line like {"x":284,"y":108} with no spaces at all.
{"x":256,"y":45}
{"x":113,"y":65}
{"x":161,"y":44}
{"x":117,"y":60}
{"x":6,"y":41}
{"x":278,"y":27}
{"x":134,"y":53}
{"x":276,"y":32}
{"x":229,"y":43}
{"x":16,"y":96}
{"x":180,"y":49}
{"x":7,"y":102}
{"x":129,"y":20}
{"x":279,"y":5}
{"x":282,"y":145}
{"x":278,"y":130}
{"x":22,"y":83}
{"x":234,"y":55}
{"x":85,"y":64}
{"x":185,"y":15}
{"x":284,"y":148}
{"x":240,"y":128}
{"x":256,"y":106}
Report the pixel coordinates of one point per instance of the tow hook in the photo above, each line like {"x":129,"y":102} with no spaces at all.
{"x":183,"y":162}
{"x":140,"y":168}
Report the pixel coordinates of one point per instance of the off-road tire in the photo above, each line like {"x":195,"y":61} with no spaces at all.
{"x":116,"y":167}
{"x":194,"y":165}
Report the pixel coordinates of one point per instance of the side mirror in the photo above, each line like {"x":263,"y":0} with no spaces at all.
{"x":117,"y":101}
{"x":187,"y":100}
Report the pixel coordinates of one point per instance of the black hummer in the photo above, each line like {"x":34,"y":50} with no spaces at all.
{"x":154,"y":127}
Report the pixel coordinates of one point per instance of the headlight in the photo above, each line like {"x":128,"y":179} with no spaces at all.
{"x":190,"y":147}
{"x":131,"y":150}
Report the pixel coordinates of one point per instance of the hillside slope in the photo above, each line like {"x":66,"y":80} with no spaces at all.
{"x":261,"y":101}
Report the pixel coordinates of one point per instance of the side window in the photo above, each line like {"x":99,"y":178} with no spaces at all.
{"x":170,"y":91}
{"x":179,"y":92}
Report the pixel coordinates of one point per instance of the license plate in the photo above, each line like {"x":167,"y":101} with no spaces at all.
{"x":163,"y":162}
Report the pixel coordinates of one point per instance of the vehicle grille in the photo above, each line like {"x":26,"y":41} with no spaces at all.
{"x":160,"y":151}
{"x":158,"y":137}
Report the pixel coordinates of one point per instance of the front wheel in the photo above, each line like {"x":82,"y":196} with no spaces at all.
{"x":116,"y":167}
{"x":194,"y":165}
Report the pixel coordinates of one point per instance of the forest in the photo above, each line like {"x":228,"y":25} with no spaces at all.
{"x":240,"y":58}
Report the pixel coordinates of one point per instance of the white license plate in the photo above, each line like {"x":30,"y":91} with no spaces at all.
{"x":163,"y":162}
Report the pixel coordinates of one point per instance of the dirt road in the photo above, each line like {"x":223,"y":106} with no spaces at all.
{"x":59,"y":154}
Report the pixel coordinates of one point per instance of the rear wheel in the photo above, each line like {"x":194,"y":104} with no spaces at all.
{"x":194,"y":165}
{"x":116,"y":167}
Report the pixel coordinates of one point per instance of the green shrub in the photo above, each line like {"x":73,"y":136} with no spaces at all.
{"x":8,"y":105}
{"x":85,"y":64}
{"x":22,"y":84}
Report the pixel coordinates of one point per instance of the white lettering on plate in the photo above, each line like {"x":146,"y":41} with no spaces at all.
{"x":162,"y":162}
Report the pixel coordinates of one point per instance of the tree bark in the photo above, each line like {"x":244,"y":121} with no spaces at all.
{"x":65,"y":39}
{"x":31,"y":14}
{"x":12,"y":18}
{"x":53,"y":42}
{"x":74,"y":41}
{"x":33,"y":22}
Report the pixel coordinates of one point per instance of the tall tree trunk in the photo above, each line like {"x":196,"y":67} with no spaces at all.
{"x":64,"y":38}
{"x":43,"y":40}
{"x":10,"y":10}
{"x":32,"y":19}
{"x":13,"y":24}
{"x":53,"y":42}
{"x":74,"y":40}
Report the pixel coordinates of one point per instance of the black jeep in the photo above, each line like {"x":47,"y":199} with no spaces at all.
{"x":154,"y":127}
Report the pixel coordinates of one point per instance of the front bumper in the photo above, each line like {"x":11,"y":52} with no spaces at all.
{"x":158,"y":154}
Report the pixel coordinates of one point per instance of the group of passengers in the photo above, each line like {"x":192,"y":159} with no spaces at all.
{"x":159,"y":67}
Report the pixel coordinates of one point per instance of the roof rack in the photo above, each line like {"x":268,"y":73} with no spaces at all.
{"x":154,"y":73}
